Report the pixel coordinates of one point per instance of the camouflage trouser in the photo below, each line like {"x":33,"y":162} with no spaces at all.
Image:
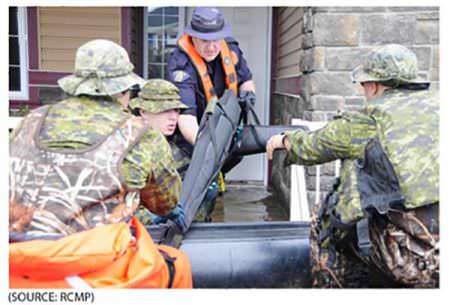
{"x":405,"y":253}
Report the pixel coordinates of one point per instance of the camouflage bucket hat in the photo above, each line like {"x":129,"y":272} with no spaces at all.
{"x":102,"y":67}
{"x":392,"y":62}
{"x":158,"y":95}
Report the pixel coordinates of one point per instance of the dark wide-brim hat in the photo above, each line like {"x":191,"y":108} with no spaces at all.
{"x":208,"y":23}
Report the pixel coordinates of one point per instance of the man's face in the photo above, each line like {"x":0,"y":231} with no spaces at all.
{"x":165,"y":121}
{"x":208,"y":49}
{"x":372,"y":90}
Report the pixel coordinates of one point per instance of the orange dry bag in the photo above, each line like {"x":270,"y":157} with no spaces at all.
{"x":107,"y":257}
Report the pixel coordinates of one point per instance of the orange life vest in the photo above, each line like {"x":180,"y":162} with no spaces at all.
{"x":229,"y":60}
{"x":107,"y":256}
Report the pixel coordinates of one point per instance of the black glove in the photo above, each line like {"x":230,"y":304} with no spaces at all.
{"x":247,"y":100}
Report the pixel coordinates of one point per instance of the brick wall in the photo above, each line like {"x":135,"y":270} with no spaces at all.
{"x":334,"y":40}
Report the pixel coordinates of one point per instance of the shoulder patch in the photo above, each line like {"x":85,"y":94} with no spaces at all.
{"x":179,"y":76}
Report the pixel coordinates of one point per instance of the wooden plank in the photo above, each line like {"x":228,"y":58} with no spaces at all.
{"x":290,"y":59}
{"x":288,"y":47}
{"x":58,"y":54}
{"x":69,"y":42}
{"x":79,"y":31}
{"x":291,"y":70}
{"x":285,"y":14}
{"x":57,"y":66}
{"x":51,"y":28}
{"x":293,"y":33}
{"x":94,"y":10}
{"x":74,"y":19}
{"x":63,"y":29}
{"x":294,"y":18}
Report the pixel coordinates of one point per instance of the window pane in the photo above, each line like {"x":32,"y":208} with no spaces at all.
{"x":171,"y":11}
{"x":155,"y":71}
{"x":154,"y":55}
{"x":13,"y":21}
{"x":155,"y":11}
{"x":14,"y":53}
{"x":14,"y":79}
{"x":169,"y":20}
{"x":162,"y":38}
{"x":155,"y":21}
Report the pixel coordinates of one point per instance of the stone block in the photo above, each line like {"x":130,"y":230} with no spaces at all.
{"x":311,"y":195}
{"x":327,"y":169}
{"x":312,"y":59}
{"x":345,"y":58}
{"x":308,"y":21}
{"x":335,"y":83}
{"x":435,"y":67}
{"x":307,"y":41}
{"x":381,"y":29}
{"x":326,"y":103}
{"x":429,"y":15}
{"x":354,"y":100}
{"x":434,"y":74}
{"x":352,"y":108}
{"x":336,"y":30}
{"x":315,"y":116}
{"x":435,"y":60}
{"x":319,"y":59}
{"x":427,"y":32}
{"x":412,"y":8}
{"x":326,"y":183}
{"x":349,"y":9}
{"x":434,"y":86}
{"x":423,"y":57}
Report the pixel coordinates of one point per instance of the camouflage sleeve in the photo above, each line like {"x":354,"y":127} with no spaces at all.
{"x":151,"y":168}
{"x":342,"y":138}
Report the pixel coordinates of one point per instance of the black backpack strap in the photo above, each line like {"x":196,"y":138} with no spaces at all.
{"x":362,"y":233}
{"x":170,"y":262}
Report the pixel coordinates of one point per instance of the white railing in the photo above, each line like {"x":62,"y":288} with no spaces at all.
{"x":299,"y":199}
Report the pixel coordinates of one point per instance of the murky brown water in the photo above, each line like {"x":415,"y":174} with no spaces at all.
{"x":243,"y":203}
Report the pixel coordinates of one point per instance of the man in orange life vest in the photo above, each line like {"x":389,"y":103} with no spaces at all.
{"x":205,"y":62}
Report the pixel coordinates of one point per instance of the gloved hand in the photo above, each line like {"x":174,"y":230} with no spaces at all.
{"x":176,"y":215}
{"x":247,"y":100}
{"x":247,"y":97}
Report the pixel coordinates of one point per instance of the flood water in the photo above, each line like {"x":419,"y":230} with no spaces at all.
{"x":246,"y":203}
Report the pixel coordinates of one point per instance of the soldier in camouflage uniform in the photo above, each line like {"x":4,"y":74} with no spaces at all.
{"x":380,"y":224}
{"x":159,"y":105}
{"x":85,"y":161}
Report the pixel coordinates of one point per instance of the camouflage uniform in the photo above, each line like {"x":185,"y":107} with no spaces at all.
{"x":386,"y":199}
{"x":84,"y":162}
{"x":156,"y":96}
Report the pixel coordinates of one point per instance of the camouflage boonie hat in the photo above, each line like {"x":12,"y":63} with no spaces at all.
{"x":102,"y":67}
{"x":392,"y":62}
{"x":158,"y":95}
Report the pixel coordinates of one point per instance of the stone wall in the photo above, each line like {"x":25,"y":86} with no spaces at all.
{"x":335,"y":40}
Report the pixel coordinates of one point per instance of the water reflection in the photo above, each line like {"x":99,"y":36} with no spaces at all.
{"x":242,"y":203}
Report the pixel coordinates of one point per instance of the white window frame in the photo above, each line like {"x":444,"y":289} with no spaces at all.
{"x":23,"y":94}
{"x":181,"y":25}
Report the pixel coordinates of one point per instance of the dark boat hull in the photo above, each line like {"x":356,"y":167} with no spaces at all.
{"x":249,"y":255}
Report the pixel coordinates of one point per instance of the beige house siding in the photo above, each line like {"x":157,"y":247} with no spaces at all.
{"x":63,"y":29}
{"x":289,"y":31}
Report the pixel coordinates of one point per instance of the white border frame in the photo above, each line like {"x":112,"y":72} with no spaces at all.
{"x":22,"y":22}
